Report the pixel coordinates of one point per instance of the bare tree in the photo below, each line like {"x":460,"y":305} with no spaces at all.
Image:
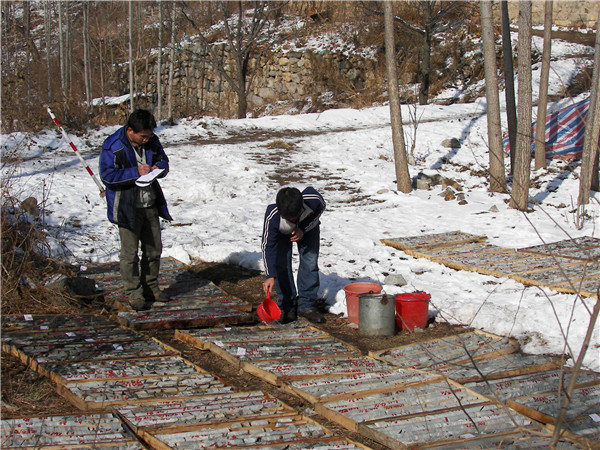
{"x":509,"y":82}
{"x":242,"y":35}
{"x":496,"y":155}
{"x":540,"y":129}
{"x":62,"y":53}
{"x":589,"y":159}
{"x":47,"y":25}
{"x":402,"y":175}
{"x":68,"y":48}
{"x":172,"y":62}
{"x":86,"y":57}
{"x":431,"y":19}
{"x":521,"y":171}
{"x":27,"y":36}
{"x":159,"y":62}
{"x":131,"y":85}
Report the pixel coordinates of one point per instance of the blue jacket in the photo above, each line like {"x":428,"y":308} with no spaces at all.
{"x":275,"y":228}
{"x":119,"y":171}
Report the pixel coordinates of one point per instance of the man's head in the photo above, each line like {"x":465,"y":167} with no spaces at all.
{"x":289,"y":203}
{"x":140,"y":126}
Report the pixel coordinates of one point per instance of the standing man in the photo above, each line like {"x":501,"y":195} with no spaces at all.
{"x":131,"y":152}
{"x":293,"y":218}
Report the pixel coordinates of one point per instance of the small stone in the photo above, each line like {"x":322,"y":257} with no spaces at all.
{"x":422,"y":184}
{"x":448,"y":194}
{"x":395,"y":279}
{"x":451,"y":143}
{"x":30,"y":205}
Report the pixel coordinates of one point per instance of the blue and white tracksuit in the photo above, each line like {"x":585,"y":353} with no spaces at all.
{"x":277,"y":252}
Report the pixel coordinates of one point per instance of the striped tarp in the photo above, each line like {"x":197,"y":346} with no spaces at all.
{"x":565,"y":129}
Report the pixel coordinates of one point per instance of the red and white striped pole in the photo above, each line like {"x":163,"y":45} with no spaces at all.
{"x":66,"y":136}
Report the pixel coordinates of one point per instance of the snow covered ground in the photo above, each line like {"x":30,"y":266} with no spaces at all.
{"x":223,"y":173}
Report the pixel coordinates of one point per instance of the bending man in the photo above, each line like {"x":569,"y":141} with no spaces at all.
{"x":293,"y":218}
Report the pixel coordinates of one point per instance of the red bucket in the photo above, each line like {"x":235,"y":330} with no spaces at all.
{"x":412,"y":310}
{"x":353,"y":291}
{"x":268,"y":310}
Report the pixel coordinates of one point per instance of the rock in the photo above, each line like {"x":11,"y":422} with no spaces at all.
{"x":395,"y":279}
{"x":494,"y":209}
{"x":74,"y":286}
{"x":26,"y":281}
{"x":30,"y":205}
{"x":422,"y":184}
{"x":452,"y":183}
{"x":451,"y":143}
{"x":425,"y":181}
{"x":448,"y":194}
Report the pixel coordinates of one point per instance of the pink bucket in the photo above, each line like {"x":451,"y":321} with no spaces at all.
{"x":353,"y":291}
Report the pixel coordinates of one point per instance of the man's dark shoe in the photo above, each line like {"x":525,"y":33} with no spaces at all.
{"x":137,"y":303}
{"x":160,"y":296}
{"x":312,"y":316}
{"x":289,"y":316}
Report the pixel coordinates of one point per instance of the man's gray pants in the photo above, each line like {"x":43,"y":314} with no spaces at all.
{"x":141,"y":277}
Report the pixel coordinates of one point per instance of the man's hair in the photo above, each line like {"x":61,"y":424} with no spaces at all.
{"x":141,"y":119}
{"x":289,"y":202}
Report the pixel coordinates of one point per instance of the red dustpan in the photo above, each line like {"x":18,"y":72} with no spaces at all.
{"x":268,"y":310}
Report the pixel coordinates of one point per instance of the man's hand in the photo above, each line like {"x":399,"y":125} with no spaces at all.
{"x":143,"y":169}
{"x":297,"y":235}
{"x":268,"y":285}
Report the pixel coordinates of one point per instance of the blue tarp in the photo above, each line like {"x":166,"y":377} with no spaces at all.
{"x":565,"y":129}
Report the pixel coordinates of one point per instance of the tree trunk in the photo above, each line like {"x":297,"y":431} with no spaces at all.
{"x":509,"y":81}
{"x":159,"y":62}
{"x":61,"y":51}
{"x":589,"y":159}
{"x":496,"y":155}
{"x":86,"y":57}
{"x":47,"y":25}
{"x":101,"y":47}
{"x":520,"y":193}
{"x":27,"y":35}
{"x":540,"y":128}
{"x":242,"y":71}
{"x":131,"y":87}
{"x":403,"y":183}
{"x":171,"y":63}
{"x":426,"y":50}
{"x":69,"y":49}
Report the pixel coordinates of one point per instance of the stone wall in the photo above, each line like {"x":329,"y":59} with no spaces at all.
{"x":581,"y":13}
{"x":282,"y":76}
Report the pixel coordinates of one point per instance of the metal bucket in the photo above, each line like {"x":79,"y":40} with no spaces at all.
{"x":376,"y":315}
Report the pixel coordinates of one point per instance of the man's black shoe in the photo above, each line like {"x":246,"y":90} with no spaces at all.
{"x":312,"y":316}
{"x":137,"y":303}
{"x":289,"y":316}
{"x":160,"y":296}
